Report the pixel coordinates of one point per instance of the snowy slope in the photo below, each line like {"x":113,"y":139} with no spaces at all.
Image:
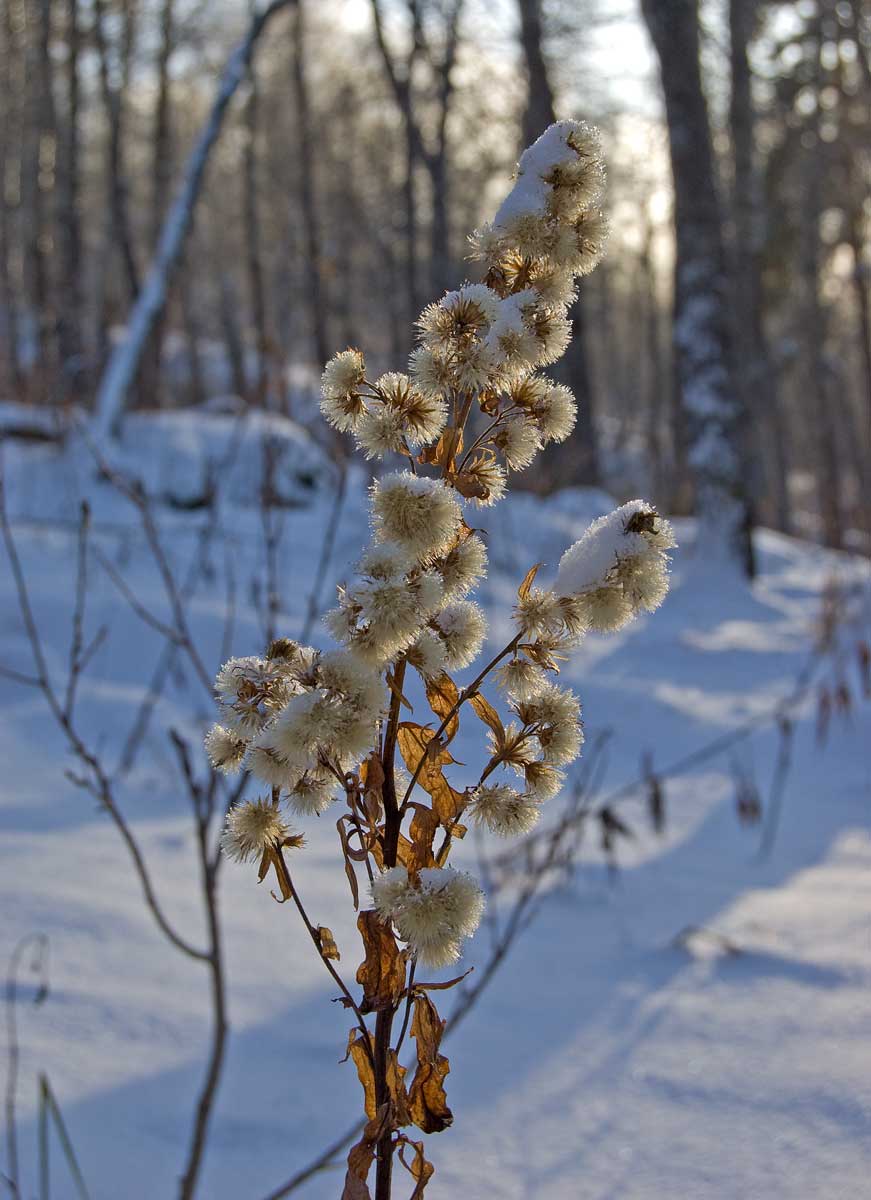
{"x":606,"y":1060}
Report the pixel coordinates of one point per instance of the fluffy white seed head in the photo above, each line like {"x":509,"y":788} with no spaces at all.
{"x":503,"y":810}
{"x":556,"y":414}
{"x":462,"y":627}
{"x":464,"y":567}
{"x":434,"y":916}
{"x":225,"y":749}
{"x":312,"y":794}
{"x":252,"y":827}
{"x":521,"y":679}
{"x":428,"y":654}
{"x":380,"y":431}
{"x":619,"y":566}
{"x":519,"y":440}
{"x":341,"y":403}
{"x":420,"y":515}
{"x":543,"y":781}
{"x":538,"y":613}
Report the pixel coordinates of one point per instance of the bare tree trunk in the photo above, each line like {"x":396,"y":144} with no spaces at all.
{"x":254,"y":261}
{"x":441,"y":261}
{"x":150,"y":377}
{"x":116,"y":176}
{"x":233,"y":343}
{"x":70,"y":293}
{"x":655,"y":386}
{"x":305,"y":158}
{"x":575,"y":461}
{"x":814,"y":329}
{"x":702,"y":343}
{"x":754,"y":373}
{"x":121,"y":368}
{"x":10,"y":170}
{"x":38,"y":173}
{"x":416,"y":152}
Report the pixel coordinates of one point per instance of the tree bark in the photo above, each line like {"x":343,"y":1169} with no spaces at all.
{"x":305,"y":158}
{"x":701,"y":334}
{"x":253,"y":255}
{"x":755,"y":375}
{"x":70,"y":292}
{"x":10,"y":161}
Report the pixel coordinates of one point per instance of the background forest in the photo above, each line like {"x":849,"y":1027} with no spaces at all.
{"x":367,"y":139}
{"x":201,"y":203}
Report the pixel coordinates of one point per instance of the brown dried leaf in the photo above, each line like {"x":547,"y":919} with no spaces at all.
{"x":382,"y":972}
{"x":424,"y":824}
{"x":362,"y":1155}
{"x":398,"y":1093}
{"x":447,"y":804}
{"x":489,"y":716}
{"x":421,"y":1170}
{"x":528,"y":579}
{"x":427,"y":1100}
{"x":349,"y":866}
{"x":372,"y":778}
{"x":442,"y":987}
{"x":397,"y":692}
{"x":358,"y":1053}
{"x":443,"y":697}
{"x":419,"y":746}
{"x":470,"y":486}
{"x":327,"y":943}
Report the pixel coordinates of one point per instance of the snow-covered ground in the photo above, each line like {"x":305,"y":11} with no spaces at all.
{"x":609,"y":1058}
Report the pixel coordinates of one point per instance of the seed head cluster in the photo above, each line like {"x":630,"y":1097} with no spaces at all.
{"x":303,"y":721}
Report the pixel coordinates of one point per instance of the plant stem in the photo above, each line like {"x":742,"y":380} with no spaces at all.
{"x":281,"y":867}
{"x":465,"y":694}
{"x":384,"y":1020}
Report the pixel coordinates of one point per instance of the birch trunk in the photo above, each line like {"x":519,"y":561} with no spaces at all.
{"x":702,"y":342}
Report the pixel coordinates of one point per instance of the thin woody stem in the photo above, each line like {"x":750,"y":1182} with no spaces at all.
{"x":465,"y":694}
{"x":284,"y":873}
{"x":479,"y":441}
{"x":384,"y":1019}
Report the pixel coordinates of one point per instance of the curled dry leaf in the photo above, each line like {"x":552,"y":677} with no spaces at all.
{"x":528,"y":580}
{"x":443,"y":697}
{"x":424,"y":825}
{"x":427,"y":1100}
{"x":362,"y":1059}
{"x":362,"y":1155}
{"x":327,"y":943}
{"x":372,"y":778}
{"x":395,"y":1078}
{"x":419,"y":1168}
{"x":490,"y":717}
{"x":270,"y":859}
{"x":382,"y":972}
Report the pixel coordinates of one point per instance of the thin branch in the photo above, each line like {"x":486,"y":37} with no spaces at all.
{"x":281,"y":867}
{"x":77,"y":636}
{"x":98,"y":781}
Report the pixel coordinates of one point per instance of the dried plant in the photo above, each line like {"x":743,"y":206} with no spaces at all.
{"x":315,"y":727}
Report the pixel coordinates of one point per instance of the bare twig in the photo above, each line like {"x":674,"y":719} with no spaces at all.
{"x":96,"y":780}
{"x":290,"y":887}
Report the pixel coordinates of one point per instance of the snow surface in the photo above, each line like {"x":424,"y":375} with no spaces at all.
{"x":607,"y":1060}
